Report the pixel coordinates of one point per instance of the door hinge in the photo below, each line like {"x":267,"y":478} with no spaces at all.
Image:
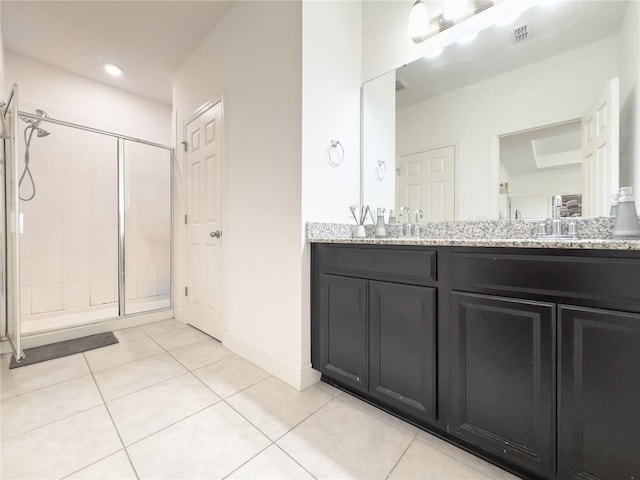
{"x":185,"y":146}
{"x":186,"y":291}
{"x":185,"y":218}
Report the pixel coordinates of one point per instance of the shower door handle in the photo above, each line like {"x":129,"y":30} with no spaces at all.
{"x":216,"y":234}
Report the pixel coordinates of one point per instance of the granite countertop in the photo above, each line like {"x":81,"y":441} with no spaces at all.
{"x":592,"y":234}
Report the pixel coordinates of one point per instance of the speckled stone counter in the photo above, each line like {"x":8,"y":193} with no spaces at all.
{"x":593,"y":233}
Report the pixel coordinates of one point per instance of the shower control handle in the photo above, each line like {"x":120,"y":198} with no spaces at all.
{"x":216,"y":234}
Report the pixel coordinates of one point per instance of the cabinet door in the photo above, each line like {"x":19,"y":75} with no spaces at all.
{"x":344,"y":331}
{"x":600,"y":394}
{"x":503,"y":378}
{"x":402,"y":352}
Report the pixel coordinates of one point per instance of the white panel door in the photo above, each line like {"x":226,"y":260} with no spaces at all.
{"x":203,"y":168}
{"x":426,"y":181}
{"x":600,"y":151}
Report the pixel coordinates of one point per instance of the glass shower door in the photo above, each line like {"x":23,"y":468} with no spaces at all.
{"x":13,"y":221}
{"x":147,"y":227}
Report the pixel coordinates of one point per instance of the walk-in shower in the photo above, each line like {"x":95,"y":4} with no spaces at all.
{"x":94,"y":243}
{"x":33,"y":126}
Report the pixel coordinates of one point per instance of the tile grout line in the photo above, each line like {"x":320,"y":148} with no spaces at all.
{"x":296,"y":461}
{"x":413,"y":439}
{"x":124,"y":447}
{"x":247,"y":461}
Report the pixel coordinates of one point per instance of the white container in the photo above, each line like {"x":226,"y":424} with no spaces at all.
{"x":359,"y":232}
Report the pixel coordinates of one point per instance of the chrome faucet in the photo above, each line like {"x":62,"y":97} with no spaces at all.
{"x":406,"y":229}
{"x":416,"y":227}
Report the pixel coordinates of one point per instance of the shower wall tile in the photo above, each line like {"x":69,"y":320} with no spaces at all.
{"x":147,"y":286}
{"x":76,"y":160}
{"x":25,"y":301}
{"x":75,"y":241}
{"x":46,"y":241}
{"x":104,"y":215}
{"x":104,"y":190}
{"x":75,"y":295}
{"x":75,"y":187}
{"x":102,"y":291}
{"x":76,"y":268}
{"x":25,"y":242}
{"x":46,"y":298}
{"x":104,"y":240}
{"x":42,"y":213}
{"x":26,"y":271}
{"x":164,"y":283}
{"x":47,"y":184}
{"x":44,"y":269}
{"x":103,"y":266}
{"x":103,"y":165}
{"x":76,"y":214}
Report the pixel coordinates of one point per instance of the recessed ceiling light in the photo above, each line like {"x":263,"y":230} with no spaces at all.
{"x":112,"y":69}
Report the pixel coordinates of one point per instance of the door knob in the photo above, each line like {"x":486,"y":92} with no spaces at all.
{"x":216,"y":234}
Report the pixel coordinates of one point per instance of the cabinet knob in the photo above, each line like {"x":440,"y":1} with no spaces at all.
{"x":216,"y":234}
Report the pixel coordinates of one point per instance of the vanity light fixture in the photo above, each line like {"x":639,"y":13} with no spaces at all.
{"x":418,"y":20}
{"x":112,"y":69}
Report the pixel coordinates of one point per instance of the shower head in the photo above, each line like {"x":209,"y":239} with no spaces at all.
{"x":34,"y":122}
{"x":42,"y":132}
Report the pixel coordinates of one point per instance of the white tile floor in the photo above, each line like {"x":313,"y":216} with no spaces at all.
{"x":170,"y":402}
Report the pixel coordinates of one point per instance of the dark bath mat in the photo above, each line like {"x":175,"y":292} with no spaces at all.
{"x":62,"y":349}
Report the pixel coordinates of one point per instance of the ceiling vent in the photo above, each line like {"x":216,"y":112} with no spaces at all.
{"x":400,"y":84}
{"x":521,"y":33}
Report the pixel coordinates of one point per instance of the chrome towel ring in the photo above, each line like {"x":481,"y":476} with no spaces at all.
{"x":335,"y":153}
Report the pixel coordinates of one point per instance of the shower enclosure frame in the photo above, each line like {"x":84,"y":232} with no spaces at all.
{"x":14,"y":289}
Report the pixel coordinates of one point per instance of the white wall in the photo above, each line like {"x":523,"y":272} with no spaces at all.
{"x":564,"y":181}
{"x":379,"y":141}
{"x":330,"y":108}
{"x":556,"y":89}
{"x":630,"y":100}
{"x":253,"y":57}
{"x":76,"y":99}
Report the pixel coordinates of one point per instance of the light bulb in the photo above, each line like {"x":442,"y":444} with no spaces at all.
{"x":112,"y":69}
{"x":418,"y":20}
{"x":453,"y":9}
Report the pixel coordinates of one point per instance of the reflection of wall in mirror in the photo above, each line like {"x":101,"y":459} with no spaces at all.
{"x":379,"y":142}
{"x":554,"y":89}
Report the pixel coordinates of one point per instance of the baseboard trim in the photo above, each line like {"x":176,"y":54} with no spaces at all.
{"x":299,"y":379}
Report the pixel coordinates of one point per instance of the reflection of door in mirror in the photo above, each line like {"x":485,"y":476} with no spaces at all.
{"x":600,"y":147}
{"x":426,"y":181}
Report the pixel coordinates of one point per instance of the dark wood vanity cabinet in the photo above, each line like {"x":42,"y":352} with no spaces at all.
{"x":503,"y":378}
{"x":599,"y":430}
{"x":529,"y":358}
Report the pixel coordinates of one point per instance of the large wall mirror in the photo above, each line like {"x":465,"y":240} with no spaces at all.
{"x":495,"y":127}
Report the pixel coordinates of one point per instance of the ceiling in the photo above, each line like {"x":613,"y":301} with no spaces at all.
{"x":542,"y":149}
{"x":148,"y":39}
{"x":557,"y":28}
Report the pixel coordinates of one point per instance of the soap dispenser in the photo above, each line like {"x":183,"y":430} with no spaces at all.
{"x":626,"y":225}
{"x":381,"y":231}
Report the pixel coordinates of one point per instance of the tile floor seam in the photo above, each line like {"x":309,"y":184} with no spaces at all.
{"x":292,"y":458}
{"x":170,"y":425}
{"x":401,"y":456}
{"x":125,"y":363}
{"x":244,"y":388}
{"x":182,"y":325}
{"x":91,"y":464}
{"x":459,"y":459}
{"x":49,"y":423}
{"x":240,"y":466}
{"x":304,"y":419}
{"x":250,"y":422}
{"x":146,"y":386}
{"x":382,"y":419}
{"x":46,"y":386}
{"x":135,"y":472}
{"x":202,"y":366}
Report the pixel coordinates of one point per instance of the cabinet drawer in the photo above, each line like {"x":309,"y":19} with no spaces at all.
{"x":404,"y":265}
{"x":580,"y":277}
